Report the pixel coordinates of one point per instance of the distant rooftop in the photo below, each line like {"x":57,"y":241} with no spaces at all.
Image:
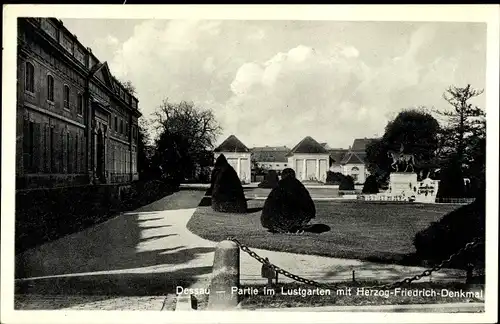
{"x":360,"y":144}
{"x":308,"y":145}
{"x":232,"y":144}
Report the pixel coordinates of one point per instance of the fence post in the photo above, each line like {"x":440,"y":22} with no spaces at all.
{"x":225,"y":277}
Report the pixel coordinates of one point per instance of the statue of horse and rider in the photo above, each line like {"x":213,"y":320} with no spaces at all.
{"x":408,"y":160}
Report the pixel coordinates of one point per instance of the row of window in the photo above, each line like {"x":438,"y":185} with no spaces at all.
{"x":123,"y":127}
{"x":120,"y":161}
{"x":48,"y":151}
{"x":30,"y":86}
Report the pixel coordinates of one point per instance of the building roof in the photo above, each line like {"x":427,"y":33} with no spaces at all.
{"x":308,"y":145}
{"x":354,"y":158}
{"x":337,"y":155}
{"x":359,"y":144}
{"x":270,"y":154}
{"x":232,"y":144}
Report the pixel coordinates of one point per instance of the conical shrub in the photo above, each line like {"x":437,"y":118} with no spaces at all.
{"x":227,"y":194}
{"x":220,"y":162}
{"x":289,"y":206}
{"x":270,"y":181}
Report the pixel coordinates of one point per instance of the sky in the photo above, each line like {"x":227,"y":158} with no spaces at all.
{"x":275,"y":82}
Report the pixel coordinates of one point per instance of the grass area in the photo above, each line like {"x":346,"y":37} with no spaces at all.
{"x":357,"y":297}
{"x":314,"y":192}
{"x":373,"y":231}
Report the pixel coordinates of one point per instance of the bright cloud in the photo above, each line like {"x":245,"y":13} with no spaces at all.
{"x":272,"y":83}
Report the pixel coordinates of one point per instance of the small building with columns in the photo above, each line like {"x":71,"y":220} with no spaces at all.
{"x":237,"y":155}
{"x":310,"y":160}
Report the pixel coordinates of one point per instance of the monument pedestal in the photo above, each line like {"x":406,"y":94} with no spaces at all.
{"x":403,"y":184}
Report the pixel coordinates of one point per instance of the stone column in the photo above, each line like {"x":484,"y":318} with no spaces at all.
{"x":304,"y":170}
{"x":239,"y":168}
{"x":317,"y":169}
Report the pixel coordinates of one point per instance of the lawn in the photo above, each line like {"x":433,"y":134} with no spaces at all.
{"x":373,"y":231}
{"x":314,"y":192}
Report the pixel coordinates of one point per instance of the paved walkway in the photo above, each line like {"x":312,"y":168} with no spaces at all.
{"x":136,"y":259}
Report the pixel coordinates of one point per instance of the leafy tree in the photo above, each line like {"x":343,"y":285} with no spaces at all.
{"x":186,"y":133}
{"x":128,"y":86}
{"x":145,"y":152}
{"x":465,"y":123}
{"x":416,"y":130}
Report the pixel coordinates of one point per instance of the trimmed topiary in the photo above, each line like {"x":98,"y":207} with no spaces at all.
{"x":457,"y":228}
{"x":270,"y":181}
{"x":347,"y":183}
{"x":219,"y":163}
{"x":334,"y":178}
{"x":227,"y":194}
{"x":287,"y":172}
{"x":289,"y":206}
{"x":371,"y":185}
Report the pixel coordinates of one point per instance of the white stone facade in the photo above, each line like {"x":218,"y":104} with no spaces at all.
{"x":240,"y":162}
{"x":311,"y":167}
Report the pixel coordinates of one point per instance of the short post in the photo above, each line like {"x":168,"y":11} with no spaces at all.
{"x":225,"y":277}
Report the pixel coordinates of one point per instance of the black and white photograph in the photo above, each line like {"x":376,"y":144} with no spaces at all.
{"x":236,"y":162}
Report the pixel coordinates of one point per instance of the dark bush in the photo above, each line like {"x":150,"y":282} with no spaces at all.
{"x":227,"y":194}
{"x":452,"y":182}
{"x":289,"y":206}
{"x":219,"y":163}
{"x":452,"y":232}
{"x":347,"y":183}
{"x":334,"y":178}
{"x":371,"y":185}
{"x":270,"y":181}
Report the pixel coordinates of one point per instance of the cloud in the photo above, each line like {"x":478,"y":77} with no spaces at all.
{"x":271,"y":87}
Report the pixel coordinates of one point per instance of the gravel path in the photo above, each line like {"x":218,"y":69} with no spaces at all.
{"x":137,"y":259}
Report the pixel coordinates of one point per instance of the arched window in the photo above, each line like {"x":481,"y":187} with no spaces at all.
{"x":66,"y":97}
{"x":29,"y":83}
{"x":355,"y":169}
{"x":50,"y":87}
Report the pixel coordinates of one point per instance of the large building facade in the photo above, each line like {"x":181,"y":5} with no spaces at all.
{"x":76,"y":124}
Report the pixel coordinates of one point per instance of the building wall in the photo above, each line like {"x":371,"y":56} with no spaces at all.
{"x":278,"y":166}
{"x":241,"y":162}
{"x":316,"y":162}
{"x":359,"y":175}
{"x":55,"y":143}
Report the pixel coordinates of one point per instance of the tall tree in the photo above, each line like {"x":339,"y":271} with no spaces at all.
{"x":186,"y":133}
{"x":415,"y":130}
{"x":129,"y":86}
{"x":145,"y":151}
{"x":466,"y":124}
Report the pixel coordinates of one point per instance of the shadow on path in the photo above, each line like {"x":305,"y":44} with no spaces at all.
{"x":134,"y":254}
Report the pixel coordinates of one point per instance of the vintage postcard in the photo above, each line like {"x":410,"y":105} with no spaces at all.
{"x":248,"y":163}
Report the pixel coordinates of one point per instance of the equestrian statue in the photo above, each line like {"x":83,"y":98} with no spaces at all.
{"x":401,"y":158}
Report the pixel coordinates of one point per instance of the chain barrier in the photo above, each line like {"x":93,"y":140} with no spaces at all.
{"x":396,"y":284}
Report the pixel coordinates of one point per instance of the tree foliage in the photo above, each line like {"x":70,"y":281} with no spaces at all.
{"x":185,"y":134}
{"x":463,"y":138}
{"x":416,"y":130}
{"x":129,"y":86}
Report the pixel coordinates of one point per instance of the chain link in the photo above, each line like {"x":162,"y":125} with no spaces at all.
{"x":396,"y":284}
